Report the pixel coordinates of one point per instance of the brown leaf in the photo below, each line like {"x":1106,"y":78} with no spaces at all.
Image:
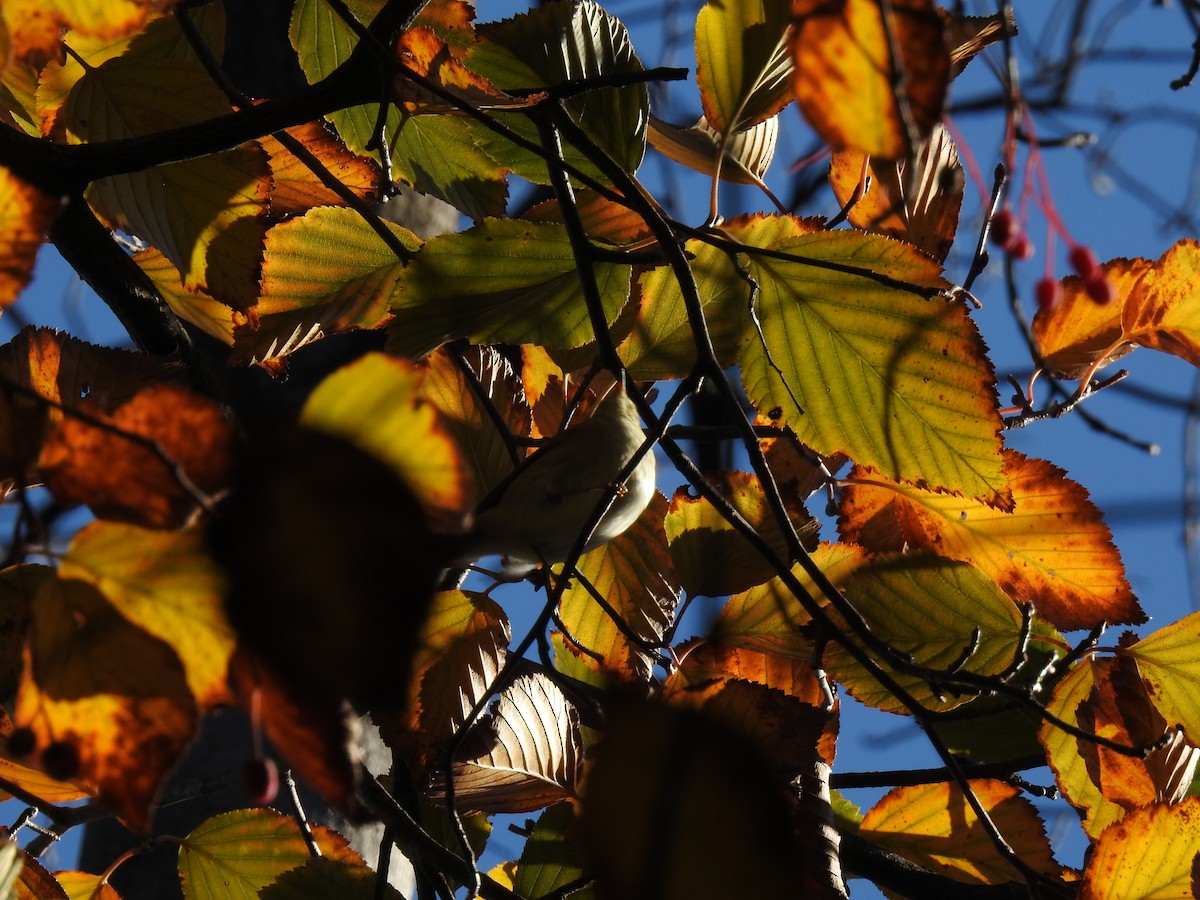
{"x":524,"y":755}
{"x":966,"y":36}
{"x":318,"y":737}
{"x":916,"y":200}
{"x":846,"y":72}
{"x":114,"y":470}
{"x":103,"y":698}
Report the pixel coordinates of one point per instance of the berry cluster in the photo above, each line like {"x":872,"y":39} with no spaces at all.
{"x":1008,"y":234}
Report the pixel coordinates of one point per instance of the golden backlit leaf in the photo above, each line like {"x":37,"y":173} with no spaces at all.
{"x":295,"y":188}
{"x":1053,"y":551}
{"x":323,"y":273}
{"x":114,"y":470}
{"x":1075,"y":762}
{"x":671,"y":795}
{"x":236,"y":854}
{"x":710,"y":556}
{"x":634,"y":575}
{"x":121,"y":727}
{"x":916,"y":200}
{"x":85,"y":886}
{"x":1080,"y":333}
{"x":428,"y":55}
{"x":164,"y":582}
{"x":214,"y":318}
{"x":34,"y":882}
{"x":833,"y":335}
{"x":857,"y":88}
{"x":526,"y":753}
{"x":36,"y":26}
{"x":744,"y":158}
{"x":25,"y":217}
{"x":375,"y":403}
{"x":39,"y":783}
{"x":935,"y":827}
{"x":742,"y":64}
{"x":1149,"y":853}
{"x":602,"y":219}
{"x":1162,"y":311}
{"x":1167,"y":660}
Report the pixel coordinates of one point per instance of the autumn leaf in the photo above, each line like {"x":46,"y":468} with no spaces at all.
{"x":163,"y":582}
{"x":154,"y":461}
{"x":1166,"y":659}
{"x":523,"y":755}
{"x":322,"y":877}
{"x":742,"y":157}
{"x":935,"y":827}
{"x":714,"y":559}
{"x":120,"y":726}
{"x":833,"y":337}
{"x":504,"y":280}
{"x":84,"y":886}
{"x":1053,"y":550}
{"x":27,"y":214}
{"x":237,"y":854}
{"x":633,"y":574}
{"x":1149,"y":853}
{"x":865,"y":83}
{"x":602,"y":219}
{"x":295,"y":188}
{"x":33,"y":882}
{"x":548,"y":861}
{"x":742,"y":65}
{"x":1079,"y":333}
{"x":916,"y":200}
{"x":214,"y":318}
{"x":1161,"y":311}
{"x":36,"y":26}
{"x":671,"y":795}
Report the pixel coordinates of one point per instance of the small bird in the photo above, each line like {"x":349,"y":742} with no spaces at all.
{"x":537,"y":513}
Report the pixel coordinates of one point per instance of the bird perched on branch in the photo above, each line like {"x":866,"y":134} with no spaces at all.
{"x":537,"y":513}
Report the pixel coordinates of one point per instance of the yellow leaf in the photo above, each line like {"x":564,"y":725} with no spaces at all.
{"x":847,"y":75}
{"x":933,"y":825}
{"x":1053,"y":550}
{"x":164,"y":582}
{"x":742,"y":64}
{"x":1168,"y":662}
{"x":834,"y":337}
{"x":36,"y":25}
{"x":374,"y":403}
{"x":1149,"y":853}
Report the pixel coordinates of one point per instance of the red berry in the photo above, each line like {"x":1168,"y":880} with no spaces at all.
{"x":60,"y":760}
{"x":1100,"y":288}
{"x":1048,"y":294}
{"x":22,"y":742}
{"x":1004,"y":228}
{"x":1020,"y":247}
{"x":1083,"y":260}
{"x":260,"y":778}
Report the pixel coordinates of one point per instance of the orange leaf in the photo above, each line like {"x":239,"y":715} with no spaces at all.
{"x":1162,"y":311}
{"x":35,"y":883}
{"x":602,"y":218}
{"x":103,"y":698}
{"x":1053,"y":551}
{"x":1149,"y":853}
{"x":114,"y":470}
{"x":36,"y":26}
{"x":1078,"y":332}
{"x":25,"y":217}
{"x":295,"y":188}
{"x":935,"y":827}
{"x":847,"y":72}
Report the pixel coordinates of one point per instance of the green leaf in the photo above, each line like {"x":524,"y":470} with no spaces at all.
{"x":330,"y":880}
{"x":743,"y":68}
{"x":1168,"y":662}
{"x":503,"y":281}
{"x":547,"y":861}
{"x":236,"y":854}
{"x":927,"y":607}
{"x":871,"y":369}
{"x":323,"y":273}
{"x":557,"y":43}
